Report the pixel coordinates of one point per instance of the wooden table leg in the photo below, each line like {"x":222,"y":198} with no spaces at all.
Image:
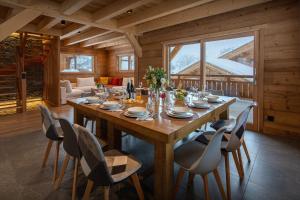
{"x":101,"y":128}
{"x":225,"y":114}
{"x":163,"y":171}
{"x":114,"y":137}
{"x":78,"y":117}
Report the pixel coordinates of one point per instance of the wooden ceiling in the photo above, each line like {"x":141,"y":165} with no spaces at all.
{"x":105,"y":23}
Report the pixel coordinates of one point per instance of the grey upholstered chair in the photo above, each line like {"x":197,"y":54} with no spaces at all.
{"x":71,"y":148}
{"x":54,"y":134}
{"x":105,"y":169}
{"x":231,"y":143}
{"x":230,"y":124}
{"x":197,"y":158}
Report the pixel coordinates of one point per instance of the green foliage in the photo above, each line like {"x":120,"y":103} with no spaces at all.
{"x":155,"y":77}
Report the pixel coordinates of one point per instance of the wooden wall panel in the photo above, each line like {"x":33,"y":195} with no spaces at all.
{"x":281,"y":44}
{"x":112,"y":61}
{"x":100,"y":63}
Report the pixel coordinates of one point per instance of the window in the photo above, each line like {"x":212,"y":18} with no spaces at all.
{"x":126,"y":62}
{"x":183,"y":57}
{"x":76,"y":63}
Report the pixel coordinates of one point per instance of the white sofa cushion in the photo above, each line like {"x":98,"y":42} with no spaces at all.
{"x":86,"y":88}
{"x":75,"y":93}
{"x":66,"y":84}
{"x":82,"y":82}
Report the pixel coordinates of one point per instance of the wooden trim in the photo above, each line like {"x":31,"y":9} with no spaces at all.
{"x":260,"y":81}
{"x":221,"y":35}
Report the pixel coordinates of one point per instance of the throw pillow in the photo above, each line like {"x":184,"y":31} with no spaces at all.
{"x":104,"y":80}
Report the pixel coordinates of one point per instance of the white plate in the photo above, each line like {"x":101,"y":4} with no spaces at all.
{"x":180,"y":110}
{"x":111,"y":104}
{"x":127,"y":114}
{"x":110,"y":108}
{"x":215,"y":101}
{"x":180,"y":116}
{"x":203,"y":106}
{"x":137,"y":110}
{"x":92,"y":99}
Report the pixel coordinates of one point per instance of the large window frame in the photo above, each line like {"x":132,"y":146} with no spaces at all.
{"x":131,"y":62}
{"x":75,"y":55}
{"x":258,"y":66}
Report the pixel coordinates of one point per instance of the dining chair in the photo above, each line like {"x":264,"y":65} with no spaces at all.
{"x":54,"y":134}
{"x":200,"y":159}
{"x":231,"y":143}
{"x":71,"y":147}
{"x":230,"y":123}
{"x":105,"y":169}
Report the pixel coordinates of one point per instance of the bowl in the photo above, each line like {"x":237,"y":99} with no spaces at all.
{"x":199,"y":103}
{"x":92,"y":99}
{"x":212,"y":98}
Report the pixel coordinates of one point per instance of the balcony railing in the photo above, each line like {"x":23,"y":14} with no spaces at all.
{"x":231,"y":85}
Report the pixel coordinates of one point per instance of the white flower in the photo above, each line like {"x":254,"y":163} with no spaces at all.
{"x":163,"y":81}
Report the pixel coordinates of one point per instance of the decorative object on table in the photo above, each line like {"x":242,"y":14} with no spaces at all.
{"x":180,"y":94}
{"x":132,"y":90}
{"x":156,"y":79}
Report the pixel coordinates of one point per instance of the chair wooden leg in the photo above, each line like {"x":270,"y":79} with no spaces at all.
{"x":106,"y":193}
{"x":241,"y":161}
{"x":46,"y":155}
{"x":191,"y":179}
{"x":64,"y":167}
{"x":137,"y":185}
{"x":227,"y":168}
{"x":56,"y":161}
{"x":93,"y":126}
{"x":85,"y":122}
{"x":206,"y":192}
{"x":237,"y":164}
{"x":74,"y":186}
{"x":246,"y":150}
{"x":219,"y":182}
{"x":88,"y":190}
{"x":178,"y":181}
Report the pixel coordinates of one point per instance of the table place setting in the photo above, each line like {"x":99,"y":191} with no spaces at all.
{"x":140,"y":113}
{"x":200,"y":104}
{"x":113,"y":106}
{"x":180,"y":112}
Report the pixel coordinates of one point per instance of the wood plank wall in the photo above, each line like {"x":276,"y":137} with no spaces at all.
{"x":113,"y":69}
{"x":100,"y":63}
{"x":281,"y":46}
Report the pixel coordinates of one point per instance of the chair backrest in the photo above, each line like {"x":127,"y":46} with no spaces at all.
{"x":70,"y":143}
{"x":238,"y":130}
{"x":211,"y":156}
{"x":48,"y":123}
{"x":92,"y":158}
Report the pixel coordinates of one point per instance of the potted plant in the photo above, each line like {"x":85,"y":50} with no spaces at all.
{"x":156,"y":79}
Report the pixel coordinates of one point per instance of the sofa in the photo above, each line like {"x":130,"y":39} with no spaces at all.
{"x":70,"y":90}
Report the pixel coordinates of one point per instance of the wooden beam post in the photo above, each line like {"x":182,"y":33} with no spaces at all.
{"x":135,"y":44}
{"x":18,"y":21}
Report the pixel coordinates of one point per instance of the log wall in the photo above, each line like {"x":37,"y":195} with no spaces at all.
{"x":280,"y":56}
{"x":100,"y":63}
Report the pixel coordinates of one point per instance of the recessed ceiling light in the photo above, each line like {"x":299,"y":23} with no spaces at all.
{"x":79,"y":32}
{"x":63,"y":22}
{"x":129,"y":11}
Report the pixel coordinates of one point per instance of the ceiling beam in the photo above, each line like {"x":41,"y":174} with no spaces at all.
{"x":160,"y":10}
{"x":113,"y":43}
{"x":116,"y":8}
{"x":48,"y":23}
{"x":71,"y":6}
{"x":101,"y":39}
{"x":94,"y":32}
{"x":16,"y":22}
{"x":119,"y":47}
{"x":198,"y":12}
{"x":135,"y":44}
{"x":73,"y":29}
{"x":31,"y":28}
{"x":53,"y":9}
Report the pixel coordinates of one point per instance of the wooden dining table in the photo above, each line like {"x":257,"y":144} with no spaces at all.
{"x":163,"y":132}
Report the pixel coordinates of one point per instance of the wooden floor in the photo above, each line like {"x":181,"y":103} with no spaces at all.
{"x":274,"y":172}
